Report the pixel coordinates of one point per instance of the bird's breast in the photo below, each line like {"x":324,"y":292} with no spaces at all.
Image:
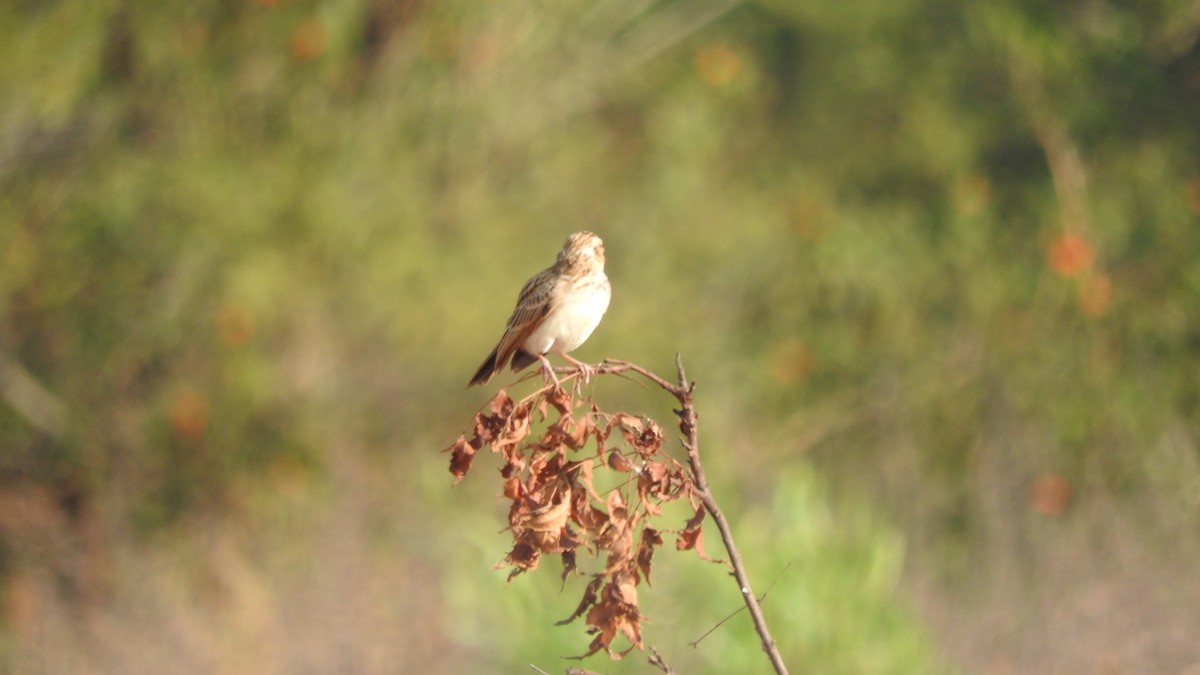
{"x":573,"y":318}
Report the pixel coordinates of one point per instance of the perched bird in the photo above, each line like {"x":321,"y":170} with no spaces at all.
{"x":556,"y":311}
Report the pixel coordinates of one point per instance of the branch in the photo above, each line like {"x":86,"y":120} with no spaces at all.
{"x":1067,"y":171}
{"x":762,"y":598}
{"x":687,"y":424}
{"x":556,"y":509}
{"x":42,"y":409}
{"x":657,"y":661}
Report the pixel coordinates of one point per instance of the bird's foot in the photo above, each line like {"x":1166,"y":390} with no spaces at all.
{"x":548,"y":371}
{"x":585,"y":370}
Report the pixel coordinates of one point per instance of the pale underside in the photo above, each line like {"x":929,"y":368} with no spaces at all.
{"x":572,"y":321}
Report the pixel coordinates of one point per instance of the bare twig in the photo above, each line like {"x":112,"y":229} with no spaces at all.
{"x":41,"y":408}
{"x":687,"y":424}
{"x":762,"y":598}
{"x":657,"y":661}
{"x":1067,"y":171}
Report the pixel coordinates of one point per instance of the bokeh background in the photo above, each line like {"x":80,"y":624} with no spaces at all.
{"x":933,"y":264}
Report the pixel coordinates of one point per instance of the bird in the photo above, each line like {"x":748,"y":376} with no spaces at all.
{"x":557,"y":310}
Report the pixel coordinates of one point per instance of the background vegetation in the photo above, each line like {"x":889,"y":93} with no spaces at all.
{"x":933,"y":264}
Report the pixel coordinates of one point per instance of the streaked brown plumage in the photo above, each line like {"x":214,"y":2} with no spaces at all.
{"x":556,"y":310}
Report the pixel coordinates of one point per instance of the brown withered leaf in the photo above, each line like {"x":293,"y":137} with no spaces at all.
{"x":461,"y":454}
{"x":616,"y":521}
{"x":643,"y":434}
{"x":568,"y":562}
{"x":557,"y":435}
{"x":540,"y":521}
{"x":660,"y":482}
{"x":627,"y":424}
{"x":618,"y":513}
{"x":586,"y":475}
{"x":549,"y":518}
{"x":523,"y":557}
{"x":547,"y":541}
{"x":619,"y":541}
{"x":602,"y":431}
{"x":516,"y":428}
{"x":535,"y":499}
{"x":584,"y":513}
{"x":580,"y":432}
{"x":547,"y":467}
{"x":617,"y":462}
{"x":650,"y":486}
{"x":650,"y":539}
{"x":689,"y":536}
{"x":697,"y":518}
{"x":691,"y":539}
{"x":560,"y":399}
{"x":537,"y":534}
{"x":616,"y":613}
{"x":604,"y":536}
{"x":568,"y":539}
{"x":502,"y":403}
{"x":512,"y":488}
{"x":489,"y":427}
{"x":503,"y":431}
{"x":590,"y":595}
{"x":620,"y":550}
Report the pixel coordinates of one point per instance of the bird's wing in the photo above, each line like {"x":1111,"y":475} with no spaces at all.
{"x":534,"y":303}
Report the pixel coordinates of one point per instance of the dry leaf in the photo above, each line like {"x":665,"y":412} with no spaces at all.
{"x":461,"y":454}
{"x":555,"y":507}
{"x":650,"y":539}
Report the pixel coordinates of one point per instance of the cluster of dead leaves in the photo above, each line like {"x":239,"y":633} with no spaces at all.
{"x":549,"y":475}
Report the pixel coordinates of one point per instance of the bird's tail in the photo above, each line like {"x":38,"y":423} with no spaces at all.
{"x":522,"y":359}
{"x":486,"y":370}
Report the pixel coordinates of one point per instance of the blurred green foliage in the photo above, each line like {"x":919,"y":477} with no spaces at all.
{"x":241,"y":239}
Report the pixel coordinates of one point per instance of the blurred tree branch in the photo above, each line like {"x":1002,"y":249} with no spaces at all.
{"x":33,"y":401}
{"x":1067,"y":172}
{"x":35,"y":145}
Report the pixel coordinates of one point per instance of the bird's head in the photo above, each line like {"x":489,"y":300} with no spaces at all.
{"x":582,"y":247}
